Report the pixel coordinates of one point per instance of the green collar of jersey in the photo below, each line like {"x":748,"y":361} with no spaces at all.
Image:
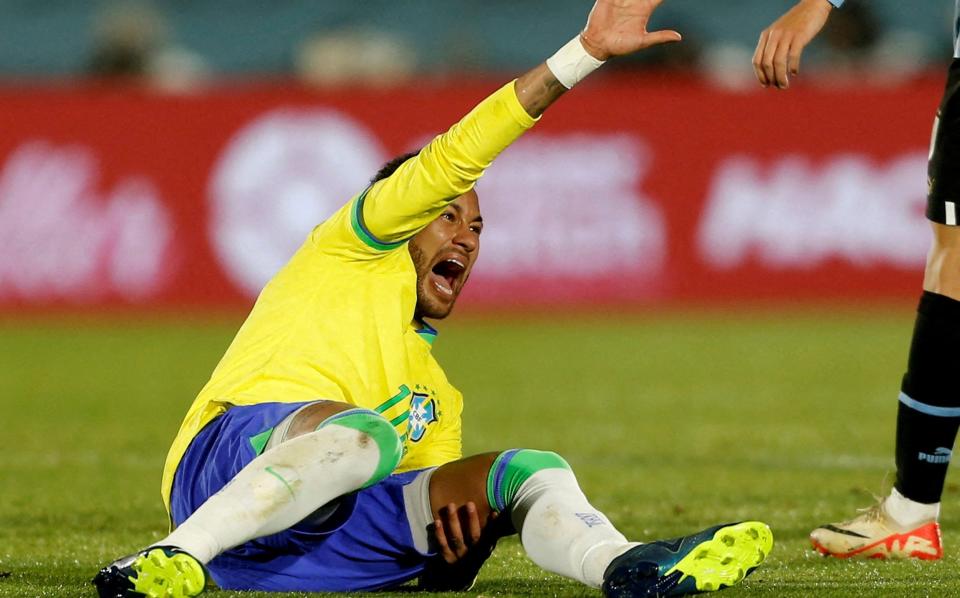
{"x":426,"y":332}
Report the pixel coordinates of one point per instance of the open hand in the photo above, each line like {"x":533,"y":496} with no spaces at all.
{"x":781,"y":44}
{"x":619,"y":27}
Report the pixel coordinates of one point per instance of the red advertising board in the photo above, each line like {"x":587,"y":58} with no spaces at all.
{"x":630,"y":191}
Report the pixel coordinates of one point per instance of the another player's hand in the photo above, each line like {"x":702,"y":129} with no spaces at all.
{"x":781,"y":44}
{"x":619,"y":27}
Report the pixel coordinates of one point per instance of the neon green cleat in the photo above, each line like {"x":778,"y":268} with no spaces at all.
{"x":713,"y":559}
{"x":157,"y":572}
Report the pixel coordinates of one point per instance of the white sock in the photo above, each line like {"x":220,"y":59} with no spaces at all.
{"x":561,"y":531}
{"x":907,"y":512}
{"x":278,"y":489}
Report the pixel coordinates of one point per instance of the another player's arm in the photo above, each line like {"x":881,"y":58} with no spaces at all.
{"x":781,"y":44}
{"x":398,"y":207}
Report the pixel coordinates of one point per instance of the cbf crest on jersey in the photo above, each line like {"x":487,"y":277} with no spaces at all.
{"x":423,"y":412}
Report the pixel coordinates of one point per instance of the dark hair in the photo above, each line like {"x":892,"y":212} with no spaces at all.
{"x":392,"y":166}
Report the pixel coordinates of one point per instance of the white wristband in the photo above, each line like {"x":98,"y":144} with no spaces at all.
{"x":572,"y":63}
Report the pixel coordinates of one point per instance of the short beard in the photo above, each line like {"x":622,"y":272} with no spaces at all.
{"x":425,"y":307}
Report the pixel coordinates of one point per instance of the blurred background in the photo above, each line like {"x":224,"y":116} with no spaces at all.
{"x":376,"y":41}
{"x":186,"y":148}
{"x":172,"y":155}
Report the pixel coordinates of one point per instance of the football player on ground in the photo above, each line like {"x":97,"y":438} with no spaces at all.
{"x":904,"y":524}
{"x":324,"y":453}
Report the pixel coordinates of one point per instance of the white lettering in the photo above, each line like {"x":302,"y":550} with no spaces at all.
{"x":570,"y":206}
{"x":795,"y":215}
{"x":61,"y":240}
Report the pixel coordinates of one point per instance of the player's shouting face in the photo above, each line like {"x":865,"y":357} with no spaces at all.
{"x":444,"y":253}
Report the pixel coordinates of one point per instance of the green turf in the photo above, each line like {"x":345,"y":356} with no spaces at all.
{"x":672,"y":423}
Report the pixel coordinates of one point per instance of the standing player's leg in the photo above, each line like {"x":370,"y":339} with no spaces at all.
{"x":563,"y":533}
{"x":928,"y":416}
{"x":327,"y":449}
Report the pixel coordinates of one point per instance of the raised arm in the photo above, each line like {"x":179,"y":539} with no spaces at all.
{"x":614,"y":28}
{"x":397,"y":207}
{"x":781,"y":44}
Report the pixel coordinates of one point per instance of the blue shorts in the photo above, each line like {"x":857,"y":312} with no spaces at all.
{"x":366,"y":545}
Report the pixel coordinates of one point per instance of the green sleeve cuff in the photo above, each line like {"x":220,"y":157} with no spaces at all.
{"x":361,"y":230}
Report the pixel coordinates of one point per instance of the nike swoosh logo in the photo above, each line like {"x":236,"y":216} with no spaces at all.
{"x":846,"y":532}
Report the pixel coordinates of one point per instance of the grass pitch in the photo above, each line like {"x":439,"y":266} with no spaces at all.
{"x":672,"y":422}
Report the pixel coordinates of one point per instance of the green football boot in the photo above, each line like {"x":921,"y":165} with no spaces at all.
{"x":157,"y":572}
{"x":716,"y":558}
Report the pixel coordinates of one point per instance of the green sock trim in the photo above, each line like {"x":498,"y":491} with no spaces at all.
{"x":259,"y":441}
{"x":514,"y":467}
{"x":373,"y":425}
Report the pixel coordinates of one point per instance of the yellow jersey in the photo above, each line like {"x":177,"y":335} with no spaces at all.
{"x":336,"y":322}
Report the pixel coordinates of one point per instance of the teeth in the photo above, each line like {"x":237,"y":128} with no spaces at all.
{"x":443,"y":287}
{"x":457,"y":262}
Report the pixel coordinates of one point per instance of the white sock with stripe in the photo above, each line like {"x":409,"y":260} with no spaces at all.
{"x":561,"y":531}
{"x":283,"y":486}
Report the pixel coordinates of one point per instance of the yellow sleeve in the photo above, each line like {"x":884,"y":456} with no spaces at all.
{"x":396,"y":208}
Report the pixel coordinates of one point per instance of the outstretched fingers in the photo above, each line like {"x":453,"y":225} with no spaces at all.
{"x":664,"y":36}
{"x":619,"y":28}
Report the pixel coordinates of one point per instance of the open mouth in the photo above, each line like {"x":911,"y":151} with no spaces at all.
{"x":446,"y":274}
